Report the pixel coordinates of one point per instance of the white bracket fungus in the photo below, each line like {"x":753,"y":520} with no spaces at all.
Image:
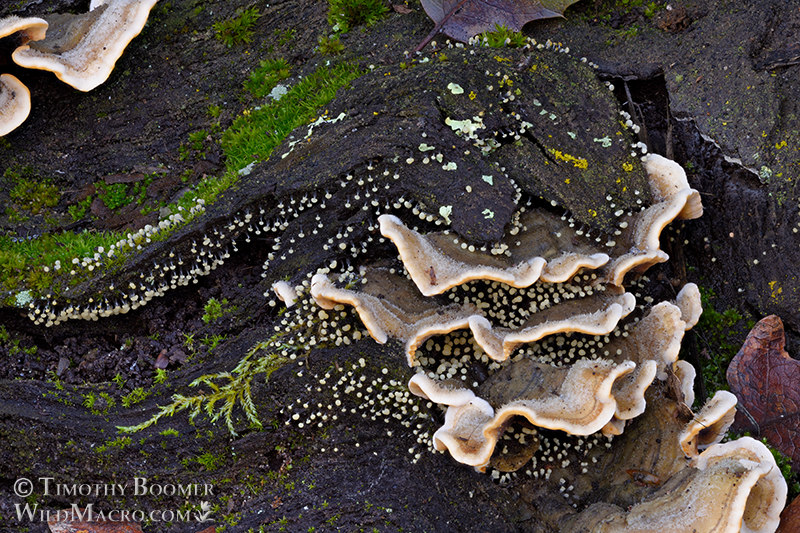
{"x":402,"y":315}
{"x":582,"y":396}
{"x":85,"y":48}
{"x":576,"y":399}
{"x":285,"y":293}
{"x":15,"y":103}
{"x":31,"y":28}
{"x":710,"y":424}
{"x":452,"y":266}
{"x":729,"y":488}
{"x":15,"y":98}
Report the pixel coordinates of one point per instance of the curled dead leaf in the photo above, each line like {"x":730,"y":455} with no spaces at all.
{"x":463,"y":19}
{"x":764,"y":378}
{"x":162,"y":361}
{"x":790,"y":518}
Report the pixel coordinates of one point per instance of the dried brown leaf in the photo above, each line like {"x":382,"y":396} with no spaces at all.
{"x":462,"y":19}
{"x":790,"y":518}
{"x":764,"y":378}
{"x":162,"y":361}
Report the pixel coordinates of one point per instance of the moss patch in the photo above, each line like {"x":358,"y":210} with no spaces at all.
{"x":28,"y":265}
{"x":502,"y":36}
{"x":216,"y":309}
{"x":234,"y":389}
{"x":32,"y":194}
{"x":720,"y":334}
{"x":345,"y":15}
{"x":238,"y":29}
{"x":255,"y":134}
{"x":263,"y":79}
{"x":23,"y":262}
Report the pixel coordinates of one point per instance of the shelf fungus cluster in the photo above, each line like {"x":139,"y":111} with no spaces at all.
{"x":545,"y":364}
{"x":81,"y":50}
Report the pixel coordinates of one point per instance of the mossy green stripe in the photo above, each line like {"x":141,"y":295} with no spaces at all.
{"x":254,"y":135}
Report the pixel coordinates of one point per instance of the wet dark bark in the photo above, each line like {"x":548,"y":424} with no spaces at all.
{"x":279,"y":476}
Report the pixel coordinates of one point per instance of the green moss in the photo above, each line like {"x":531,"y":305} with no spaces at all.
{"x":135,"y":396}
{"x":34,"y":196}
{"x":502,"y":36}
{"x":216,"y":309}
{"x":14,"y":215}
{"x":212,"y":341}
{"x":28,"y":191}
{"x":284,"y":36}
{"x":119,"y":380}
{"x":214,"y":111}
{"x":239,"y":29}
{"x":22,"y":262}
{"x":652,"y":8}
{"x":344,"y":15}
{"x":720,"y":335}
{"x":196,"y":145}
{"x":629,"y":32}
{"x":233,"y":390}
{"x":264,"y":78}
{"x":196,"y":140}
{"x":15,"y":345}
{"x":88,"y":400}
{"x":188,"y":341}
{"x":255,"y":134}
{"x":209,"y":461}
{"x":160,"y":377}
{"x":28,"y":265}
{"x":785,"y":465}
{"x":78,"y":211}
{"x":330,"y":46}
{"x":207,"y":189}
{"x":119,"y":443}
{"x":98,"y":404}
{"x":113,"y":196}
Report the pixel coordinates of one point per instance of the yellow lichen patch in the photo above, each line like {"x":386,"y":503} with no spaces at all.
{"x":579,"y":162}
{"x":775,"y":289}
